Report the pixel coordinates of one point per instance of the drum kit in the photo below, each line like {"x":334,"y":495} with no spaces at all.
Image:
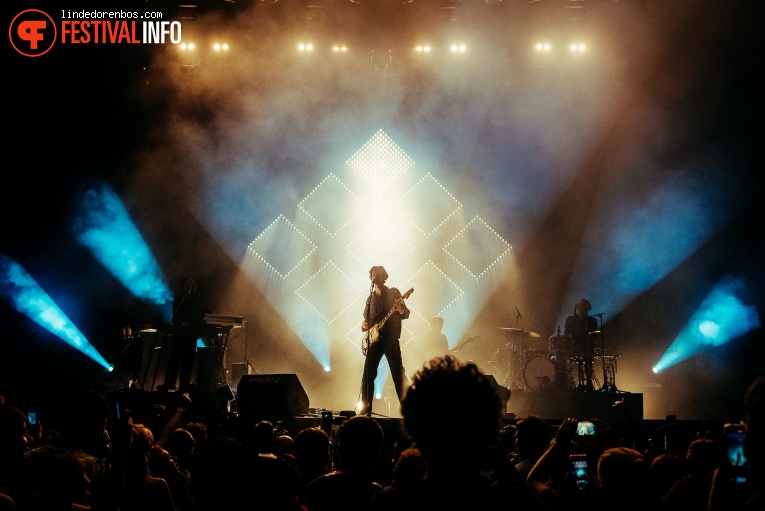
{"x":557,"y":366}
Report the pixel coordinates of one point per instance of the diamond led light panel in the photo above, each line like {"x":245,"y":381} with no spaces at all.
{"x":314,"y":266}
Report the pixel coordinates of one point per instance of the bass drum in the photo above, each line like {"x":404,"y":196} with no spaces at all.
{"x":538,"y":373}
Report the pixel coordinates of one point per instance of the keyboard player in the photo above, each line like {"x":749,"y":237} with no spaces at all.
{"x":189,"y":311}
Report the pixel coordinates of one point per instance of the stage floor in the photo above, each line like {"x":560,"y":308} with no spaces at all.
{"x":558,"y":405}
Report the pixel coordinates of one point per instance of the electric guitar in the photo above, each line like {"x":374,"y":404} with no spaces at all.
{"x":373,"y":332}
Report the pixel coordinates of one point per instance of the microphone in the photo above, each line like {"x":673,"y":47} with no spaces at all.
{"x":518,"y":313}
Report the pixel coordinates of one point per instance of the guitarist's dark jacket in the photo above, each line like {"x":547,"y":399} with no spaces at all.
{"x":378,"y":306}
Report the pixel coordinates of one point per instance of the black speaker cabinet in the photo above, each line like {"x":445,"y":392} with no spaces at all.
{"x":271,"y":397}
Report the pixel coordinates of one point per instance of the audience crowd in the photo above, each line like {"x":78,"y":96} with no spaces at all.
{"x":158,"y":459}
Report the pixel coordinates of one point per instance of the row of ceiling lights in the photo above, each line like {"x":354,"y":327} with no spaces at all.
{"x":455,"y":48}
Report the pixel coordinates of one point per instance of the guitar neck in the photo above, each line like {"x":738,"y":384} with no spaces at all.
{"x":390,"y":313}
{"x":392,"y":309}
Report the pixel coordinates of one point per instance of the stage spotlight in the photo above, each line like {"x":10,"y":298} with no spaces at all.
{"x":326,"y":369}
{"x":219,"y":54}
{"x":104,"y":226}
{"x":339,"y":55}
{"x":458,"y":48}
{"x":110,"y":368}
{"x":187,"y":54}
{"x":26,"y":295}
{"x":420,"y":55}
{"x":577,"y":48}
{"x":722,"y":317}
{"x":543,"y":47}
{"x":305,"y":47}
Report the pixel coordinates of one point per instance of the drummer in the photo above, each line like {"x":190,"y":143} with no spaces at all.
{"x":578,"y":327}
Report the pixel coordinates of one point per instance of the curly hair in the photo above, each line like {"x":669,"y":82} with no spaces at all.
{"x":452,"y":411}
{"x":380,"y":271}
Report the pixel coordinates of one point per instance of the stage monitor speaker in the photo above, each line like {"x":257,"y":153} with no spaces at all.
{"x":271,"y":397}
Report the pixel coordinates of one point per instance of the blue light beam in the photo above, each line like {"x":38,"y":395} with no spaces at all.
{"x":23,"y":292}
{"x":722,"y":317}
{"x":103,"y":226}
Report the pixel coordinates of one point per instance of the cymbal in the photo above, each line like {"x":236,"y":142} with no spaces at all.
{"x":593,"y":332}
{"x":520,"y":331}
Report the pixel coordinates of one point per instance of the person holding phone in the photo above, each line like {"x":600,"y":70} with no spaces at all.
{"x":739,"y":483}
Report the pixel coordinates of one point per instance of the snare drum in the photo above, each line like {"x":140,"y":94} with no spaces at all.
{"x":609,"y":353}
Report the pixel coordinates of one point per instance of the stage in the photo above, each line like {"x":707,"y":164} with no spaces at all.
{"x":558,"y":405}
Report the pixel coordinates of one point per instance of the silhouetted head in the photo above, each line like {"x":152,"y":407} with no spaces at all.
{"x":458,"y":442}
{"x":532,"y":437}
{"x":582,"y":307}
{"x":437,"y":323}
{"x":623,"y":473}
{"x":187,"y":285}
{"x":358,"y":443}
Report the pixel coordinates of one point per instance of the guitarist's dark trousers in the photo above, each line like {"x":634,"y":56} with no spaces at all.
{"x":392,"y":351}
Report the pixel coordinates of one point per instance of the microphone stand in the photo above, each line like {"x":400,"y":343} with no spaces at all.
{"x":518,"y":362}
{"x":369,"y":384}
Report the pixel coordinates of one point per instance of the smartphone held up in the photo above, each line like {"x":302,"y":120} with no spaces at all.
{"x":585,"y":428}
{"x":735,"y":458}
{"x":579,"y":470}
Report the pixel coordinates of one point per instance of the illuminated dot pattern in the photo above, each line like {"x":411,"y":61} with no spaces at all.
{"x":457,"y":291}
{"x":321,"y":205}
{"x":380,"y":161}
{"x":477,"y":239}
{"x":281,"y":228}
{"x":427,"y":211}
{"x":441,"y":207}
{"x":328,"y":275}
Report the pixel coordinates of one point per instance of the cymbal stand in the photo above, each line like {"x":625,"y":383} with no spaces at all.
{"x":609,"y":366}
{"x":514,"y":377}
{"x":582,"y":376}
{"x":609,"y":373}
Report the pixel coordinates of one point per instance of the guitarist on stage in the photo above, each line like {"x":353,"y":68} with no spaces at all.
{"x":382,"y":300}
